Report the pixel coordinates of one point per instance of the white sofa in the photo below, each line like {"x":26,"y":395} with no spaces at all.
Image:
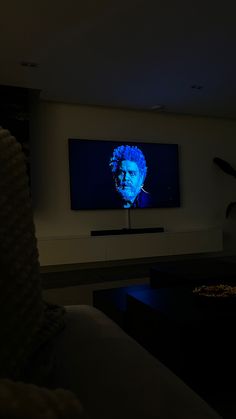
{"x":114,"y":377}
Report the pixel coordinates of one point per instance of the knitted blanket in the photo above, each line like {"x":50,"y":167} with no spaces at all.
{"x":19,"y":400}
{"x":26,"y":322}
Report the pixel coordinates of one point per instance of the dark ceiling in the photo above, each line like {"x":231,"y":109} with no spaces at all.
{"x":136,"y":54}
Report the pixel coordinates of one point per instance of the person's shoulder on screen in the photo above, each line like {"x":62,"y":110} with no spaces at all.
{"x":144,"y":199}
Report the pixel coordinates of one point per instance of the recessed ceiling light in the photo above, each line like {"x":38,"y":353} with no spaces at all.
{"x":29,"y":64}
{"x":157,"y":107}
{"x":196,"y":87}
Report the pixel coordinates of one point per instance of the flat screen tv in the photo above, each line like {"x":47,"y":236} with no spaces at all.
{"x":108,"y":174}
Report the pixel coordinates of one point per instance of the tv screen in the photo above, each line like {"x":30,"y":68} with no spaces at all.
{"x":118,"y":174}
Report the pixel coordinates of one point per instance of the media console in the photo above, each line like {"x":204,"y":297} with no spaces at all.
{"x":101,"y":248}
{"x":127,"y":231}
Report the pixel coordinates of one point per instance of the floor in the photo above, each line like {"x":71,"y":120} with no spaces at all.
{"x":76,"y":284}
{"x":83,"y":294}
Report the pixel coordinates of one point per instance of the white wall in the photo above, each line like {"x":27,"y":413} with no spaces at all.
{"x":205,"y":189}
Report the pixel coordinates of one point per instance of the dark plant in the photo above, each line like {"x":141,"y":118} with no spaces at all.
{"x":227,"y":168}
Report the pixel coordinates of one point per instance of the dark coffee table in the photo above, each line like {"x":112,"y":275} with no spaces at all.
{"x":193,"y":272}
{"x":113,"y":302}
{"x":193,"y":337}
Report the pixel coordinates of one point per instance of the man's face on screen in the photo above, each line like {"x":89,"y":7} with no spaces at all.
{"x":128,"y":180}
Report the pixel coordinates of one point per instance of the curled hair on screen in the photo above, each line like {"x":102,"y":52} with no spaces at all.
{"x":126,"y":152}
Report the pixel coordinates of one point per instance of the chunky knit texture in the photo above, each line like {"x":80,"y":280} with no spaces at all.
{"x":26,"y":322}
{"x":19,"y":400}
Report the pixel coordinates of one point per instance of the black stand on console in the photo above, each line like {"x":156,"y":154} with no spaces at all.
{"x":127,"y":230}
